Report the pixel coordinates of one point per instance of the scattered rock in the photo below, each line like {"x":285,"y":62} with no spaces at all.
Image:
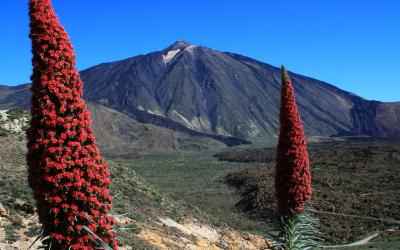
{"x":124,"y":220}
{"x":3,"y":211}
{"x":24,"y":206}
{"x":198,"y":236}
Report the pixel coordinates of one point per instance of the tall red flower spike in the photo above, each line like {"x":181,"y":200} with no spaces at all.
{"x":293,"y":177}
{"x":68,"y":176}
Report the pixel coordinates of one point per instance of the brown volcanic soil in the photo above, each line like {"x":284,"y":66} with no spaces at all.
{"x":356,"y":186}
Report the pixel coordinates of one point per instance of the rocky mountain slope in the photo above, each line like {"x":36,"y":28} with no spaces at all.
{"x":225,"y":93}
{"x":117,"y":132}
{"x":114,"y":130}
{"x":192,"y":89}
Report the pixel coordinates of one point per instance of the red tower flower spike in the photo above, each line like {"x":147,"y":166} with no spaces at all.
{"x":68,"y":176}
{"x":292,"y":178}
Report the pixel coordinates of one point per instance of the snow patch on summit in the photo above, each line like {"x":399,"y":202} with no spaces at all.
{"x":190,"y":48}
{"x":170,"y":55}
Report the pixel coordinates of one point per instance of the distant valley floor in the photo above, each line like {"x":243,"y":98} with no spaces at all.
{"x":356,"y":183}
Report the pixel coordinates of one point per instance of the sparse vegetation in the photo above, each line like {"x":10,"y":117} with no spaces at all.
{"x":198,"y":180}
{"x":137,"y":204}
{"x":356,"y":186}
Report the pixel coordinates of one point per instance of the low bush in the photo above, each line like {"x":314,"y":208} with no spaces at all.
{"x":15,"y":113}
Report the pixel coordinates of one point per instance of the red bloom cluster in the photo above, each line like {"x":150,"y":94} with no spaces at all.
{"x":292,"y":178}
{"x":68,"y":176}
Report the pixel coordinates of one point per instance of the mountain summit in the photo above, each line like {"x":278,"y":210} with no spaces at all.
{"x":201,"y":90}
{"x":178,"y":45}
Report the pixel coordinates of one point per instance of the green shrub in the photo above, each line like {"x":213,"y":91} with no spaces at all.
{"x":15,"y":113}
{"x":3,"y":132}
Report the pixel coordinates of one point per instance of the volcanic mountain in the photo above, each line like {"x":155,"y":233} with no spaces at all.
{"x":201,"y":91}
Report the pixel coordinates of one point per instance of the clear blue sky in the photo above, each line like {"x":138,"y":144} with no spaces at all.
{"x":353,"y":44}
